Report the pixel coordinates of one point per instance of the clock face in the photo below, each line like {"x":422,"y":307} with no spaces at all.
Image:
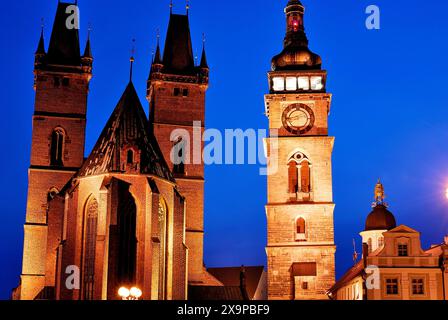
{"x":298,"y":118}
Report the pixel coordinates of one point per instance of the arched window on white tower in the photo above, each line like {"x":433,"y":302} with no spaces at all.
{"x":300,"y":229}
{"x":299,"y":174}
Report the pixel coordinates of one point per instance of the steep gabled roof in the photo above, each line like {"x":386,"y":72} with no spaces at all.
{"x":178,"y":53}
{"x":127,"y":126}
{"x":64,"y":43}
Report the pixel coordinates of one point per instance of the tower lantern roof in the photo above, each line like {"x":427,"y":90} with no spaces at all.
{"x":296,"y":55}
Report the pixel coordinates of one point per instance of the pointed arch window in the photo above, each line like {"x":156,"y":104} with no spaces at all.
{"x":130,"y":157}
{"x":163,"y":237}
{"x":127,"y":244}
{"x":179,"y":157}
{"x":90,"y":233}
{"x":299,"y":174}
{"x":57,"y":147}
{"x":300,"y":229}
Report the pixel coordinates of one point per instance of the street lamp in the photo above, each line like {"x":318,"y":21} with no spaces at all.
{"x":130,"y":294}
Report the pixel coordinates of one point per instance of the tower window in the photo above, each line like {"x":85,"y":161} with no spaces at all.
{"x":57,"y":148}
{"x":305,"y":177}
{"x":304,"y":83}
{"x":179,"y":157}
{"x":185,"y":92}
{"x":316,"y":83}
{"x":291,"y":83}
{"x":57,"y":82}
{"x":278,"y":84}
{"x":403,"y":250}
{"x":65,"y":82}
{"x":293,"y":177}
{"x":299,"y":174}
{"x":300,"y":229}
{"x":130,"y":157}
{"x":369,"y":244}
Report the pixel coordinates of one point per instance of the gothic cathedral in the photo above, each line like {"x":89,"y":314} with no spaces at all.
{"x":300,"y":247}
{"x":125,"y":216}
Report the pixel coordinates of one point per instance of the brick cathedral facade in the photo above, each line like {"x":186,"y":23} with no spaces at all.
{"x":125,"y":215}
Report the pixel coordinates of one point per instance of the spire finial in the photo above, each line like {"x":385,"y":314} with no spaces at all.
{"x":132,"y":60}
{"x":188,"y":6}
{"x":171,"y":6}
{"x":355,"y":253}
{"x":204,"y":63}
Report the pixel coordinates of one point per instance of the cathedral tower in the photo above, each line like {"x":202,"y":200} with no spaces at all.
{"x":300,"y":206}
{"x":62,"y":77}
{"x":176,"y":94}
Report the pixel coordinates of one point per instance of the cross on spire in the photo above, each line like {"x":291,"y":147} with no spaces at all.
{"x":132,"y":60}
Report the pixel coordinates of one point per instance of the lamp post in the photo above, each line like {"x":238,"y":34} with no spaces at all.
{"x":130,"y":294}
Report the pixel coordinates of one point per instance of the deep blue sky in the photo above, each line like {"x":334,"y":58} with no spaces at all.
{"x":389,"y":112}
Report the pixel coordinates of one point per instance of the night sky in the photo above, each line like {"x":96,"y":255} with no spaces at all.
{"x":389,"y":111}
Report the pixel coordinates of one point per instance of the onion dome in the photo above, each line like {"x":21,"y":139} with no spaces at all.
{"x":380,"y":218}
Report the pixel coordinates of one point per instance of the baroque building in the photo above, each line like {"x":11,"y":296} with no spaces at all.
{"x":126,"y":215}
{"x":393,"y":265}
{"x":300,"y":248}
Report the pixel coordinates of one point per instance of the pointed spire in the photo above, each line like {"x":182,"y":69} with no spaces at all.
{"x":64,"y":48}
{"x":204,"y":63}
{"x":188,"y":7}
{"x":88,"y":50}
{"x":171,"y":6}
{"x":41,"y":45}
{"x":158,"y":56}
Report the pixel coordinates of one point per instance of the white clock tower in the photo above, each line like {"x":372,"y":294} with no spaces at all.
{"x":300,"y":249}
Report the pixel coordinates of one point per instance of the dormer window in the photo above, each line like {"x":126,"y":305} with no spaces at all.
{"x":403,"y":250}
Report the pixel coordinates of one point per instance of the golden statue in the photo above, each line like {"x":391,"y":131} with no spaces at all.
{"x":379,"y":192}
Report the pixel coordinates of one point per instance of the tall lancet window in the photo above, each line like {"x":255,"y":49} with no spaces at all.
{"x":57,"y":147}
{"x":127,"y":246}
{"x":299,"y":174}
{"x":163,"y":237}
{"x":90,"y":232}
{"x":179,"y":157}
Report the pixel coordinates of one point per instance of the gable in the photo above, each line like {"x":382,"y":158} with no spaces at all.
{"x":127,"y":130}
